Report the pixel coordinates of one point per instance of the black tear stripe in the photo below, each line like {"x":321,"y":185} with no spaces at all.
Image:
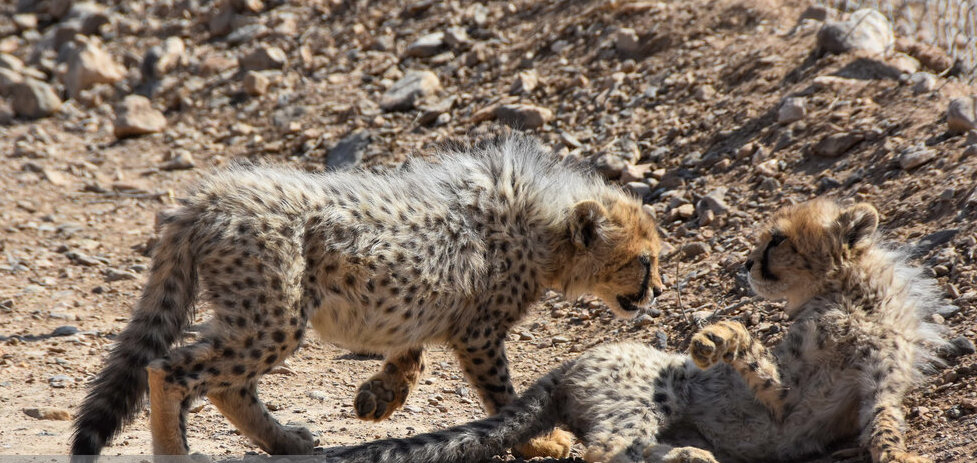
{"x":765,"y":264}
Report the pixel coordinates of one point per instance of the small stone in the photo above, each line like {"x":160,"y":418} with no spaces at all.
{"x":181,"y":160}
{"x":60,"y":381}
{"x":263,"y":58}
{"x":34,"y":99}
{"x":136,"y":116}
{"x":705,"y":93}
{"x":523,"y":116}
{"x":457,"y":37}
{"x":963,"y":346}
{"x":526,"y":82}
{"x":432,"y":112}
{"x":48,"y":413}
{"x":25,"y":21}
{"x":64,"y":330}
{"x":695,"y":248}
{"x":818,"y":13}
{"x":834,"y":145}
{"x":626,"y":41}
{"x":701,"y":317}
{"x":90,"y":65}
{"x":682,"y":212}
{"x":792,"y":110}
{"x":609,"y":165}
{"x":643,"y":320}
{"x":161,"y":59}
{"x":714,"y":201}
{"x":923,"y":82}
{"x":112,"y":274}
{"x":8,"y":79}
{"x":428,"y":45}
{"x":560,"y":340}
{"x":635,"y":172}
{"x":639,"y":189}
{"x":661,"y":340}
{"x":348,"y":153}
{"x":865,"y":29}
{"x":407,"y":91}
{"x":255,"y":83}
{"x":317,"y":395}
{"x":961,"y":115}
{"x":915,"y":156}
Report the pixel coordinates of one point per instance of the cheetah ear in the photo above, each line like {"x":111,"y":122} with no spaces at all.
{"x":586,"y":222}
{"x":858,"y":224}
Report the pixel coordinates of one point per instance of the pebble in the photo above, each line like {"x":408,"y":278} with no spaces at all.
{"x":526,"y":82}
{"x":61,"y":381}
{"x":48,"y":413}
{"x":635,"y":172}
{"x":317,"y":395}
{"x":112,"y":274}
{"x":181,"y":160}
{"x":661,"y":340}
{"x":609,"y":165}
{"x":348,"y":152}
{"x":865,"y":29}
{"x":428,"y":45}
{"x":694,"y":249}
{"x":682,"y":212}
{"x":639,"y":189}
{"x":915,"y":156}
{"x":263,"y":58}
{"x":834,"y":145}
{"x":523,"y":116}
{"x":643,"y":320}
{"x":8,"y":79}
{"x":457,"y":37}
{"x":34,"y":99}
{"x":90,"y":65}
{"x":560,"y":340}
{"x":255,"y":83}
{"x":792,"y":110}
{"x":626,"y":40}
{"x":65,"y":330}
{"x":818,"y":13}
{"x":923,"y":82}
{"x":714,"y":201}
{"x":960,"y":114}
{"x":407,"y":91}
{"x":136,"y":116}
{"x":161,"y":59}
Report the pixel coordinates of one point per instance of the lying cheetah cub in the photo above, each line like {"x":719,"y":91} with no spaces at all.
{"x":453,"y":251}
{"x":856,"y":344}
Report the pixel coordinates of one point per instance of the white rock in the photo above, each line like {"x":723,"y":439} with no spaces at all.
{"x":865,"y":29}
{"x":792,"y":110}
{"x":960,"y":114}
{"x":91,"y":65}
{"x":407,"y":91}
{"x":526,"y":82}
{"x":136,"y":116}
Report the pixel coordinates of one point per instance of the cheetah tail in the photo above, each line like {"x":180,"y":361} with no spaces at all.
{"x":532,"y":414}
{"x":159,"y":317}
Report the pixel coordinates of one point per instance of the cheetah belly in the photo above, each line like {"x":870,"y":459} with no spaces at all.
{"x":367,"y":328}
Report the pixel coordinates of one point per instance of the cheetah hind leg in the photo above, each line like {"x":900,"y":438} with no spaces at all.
{"x":687,"y":455}
{"x":246,"y":412}
{"x":620,"y":450}
{"x":386,"y":391}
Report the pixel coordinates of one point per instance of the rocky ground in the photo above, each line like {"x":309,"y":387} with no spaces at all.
{"x":716,"y":111}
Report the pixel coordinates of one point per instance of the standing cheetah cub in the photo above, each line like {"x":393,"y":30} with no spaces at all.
{"x":453,"y":251}
{"x":857,"y":343}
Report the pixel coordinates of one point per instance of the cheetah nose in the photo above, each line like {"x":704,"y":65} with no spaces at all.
{"x":656,"y":291}
{"x":749,"y":264}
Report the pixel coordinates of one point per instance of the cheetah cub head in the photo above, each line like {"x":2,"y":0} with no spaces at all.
{"x":804,"y":244}
{"x":615,"y":249}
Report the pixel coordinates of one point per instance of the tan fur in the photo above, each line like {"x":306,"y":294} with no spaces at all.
{"x":857,"y":341}
{"x":453,"y":251}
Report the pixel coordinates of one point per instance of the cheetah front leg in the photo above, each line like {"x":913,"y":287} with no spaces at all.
{"x":485,"y":365}
{"x":386,"y":391}
{"x":730,"y":342}
{"x":881,"y":415}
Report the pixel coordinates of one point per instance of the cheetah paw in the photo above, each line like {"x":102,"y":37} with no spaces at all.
{"x":689,"y":455}
{"x":556,"y":444}
{"x":717,"y":342}
{"x":295,"y":440}
{"x":904,"y":457}
{"x":381,"y":395}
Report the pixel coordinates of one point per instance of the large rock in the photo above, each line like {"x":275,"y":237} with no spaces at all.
{"x":523,"y":116}
{"x":960,"y":114}
{"x":865,"y":29}
{"x":411,"y":88}
{"x":136,"y":116}
{"x":33,"y":99}
{"x":91,"y":65}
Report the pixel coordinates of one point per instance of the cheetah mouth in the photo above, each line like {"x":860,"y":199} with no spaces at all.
{"x":627,"y":305}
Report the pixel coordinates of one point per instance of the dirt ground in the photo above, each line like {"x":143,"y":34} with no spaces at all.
{"x":694,"y":104}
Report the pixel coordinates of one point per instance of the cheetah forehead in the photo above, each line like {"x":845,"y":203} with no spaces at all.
{"x":807,"y":222}
{"x":638,"y":225}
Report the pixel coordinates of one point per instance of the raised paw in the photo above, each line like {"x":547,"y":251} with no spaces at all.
{"x":689,"y":455}
{"x":721,"y":341}
{"x":556,"y":444}
{"x":903,"y":457}
{"x":382,"y":394}
{"x":295,"y":440}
